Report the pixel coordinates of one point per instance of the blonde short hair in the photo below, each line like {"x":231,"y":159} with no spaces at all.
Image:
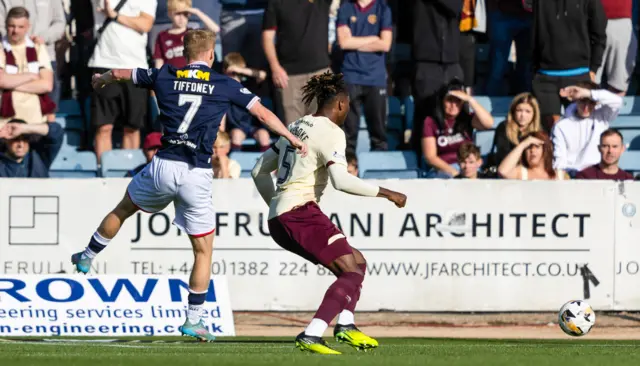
{"x":177,"y":5}
{"x":223,"y":137}
{"x":197,"y":41}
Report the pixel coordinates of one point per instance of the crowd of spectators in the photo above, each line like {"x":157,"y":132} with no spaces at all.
{"x":569,"y":63}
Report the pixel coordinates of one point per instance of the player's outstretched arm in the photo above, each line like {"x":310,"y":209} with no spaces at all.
{"x":100,"y":80}
{"x":267,"y":118}
{"x":261,"y":174}
{"x":345,"y":182}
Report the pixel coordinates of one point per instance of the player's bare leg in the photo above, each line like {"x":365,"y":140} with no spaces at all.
{"x":339,"y":294}
{"x":107,"y":230}
{"x":345,"y":330}
{"x":198,"y":287}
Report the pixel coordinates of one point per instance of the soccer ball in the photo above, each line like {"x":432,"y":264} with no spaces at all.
{"x":576,"y":318}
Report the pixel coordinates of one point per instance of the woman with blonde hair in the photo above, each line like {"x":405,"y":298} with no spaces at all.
{"x":532,"y":159}
{"x":523,"y":119}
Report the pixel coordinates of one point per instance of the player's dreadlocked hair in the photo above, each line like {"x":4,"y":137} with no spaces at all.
{"x":324,"y":88}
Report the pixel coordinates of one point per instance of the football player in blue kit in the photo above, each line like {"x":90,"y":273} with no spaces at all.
{"x":192,"y":101}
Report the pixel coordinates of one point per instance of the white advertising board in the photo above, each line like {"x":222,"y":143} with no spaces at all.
{"x":524,"y":249}
{"x":63,"y":305}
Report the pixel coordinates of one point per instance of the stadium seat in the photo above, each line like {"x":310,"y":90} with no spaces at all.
{"x":69,"y":107}
{"x":116,"y":163}
{"x":395,"y":114}
{"x":634,"y":144}
{"x":630,"y":161}
{"x":409,"y":111}
{"x":392,"y":163}
{"x":72,"y":164}
{"x":497,"y":106}
{"x":626,"y":122}
{"x":631,"y":107}
{"x":364,"y":143}
{"x":628,"y":134}
{"x":484,"y":140}
{"x":391,"y":174}
{"x":247,"y":160}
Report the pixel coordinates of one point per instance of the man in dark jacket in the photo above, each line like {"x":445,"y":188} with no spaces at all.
{"x":569,"y":38}
{"x":21,"y":158}
{"x":435,"y":53}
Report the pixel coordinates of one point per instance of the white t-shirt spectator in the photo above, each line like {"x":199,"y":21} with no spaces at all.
{"x":576,"y":140}
{"x":120,"y":46}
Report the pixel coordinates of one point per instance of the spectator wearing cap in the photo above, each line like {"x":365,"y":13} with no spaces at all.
{"x":509,"y":21}
{"x":577,"y":135}
{"x":21,"y":158}
{"x":569,"y":38}
{"x":295,"y":39}
{"x":470,"y":161}
{"x":619,"y":58}
{"x":26,"y":76}
{"x":47,"y":27}
{"x":152,"y":143}
{"x":365,"y":33}
{"x":449,"y":127}
{"x":611,"y":148}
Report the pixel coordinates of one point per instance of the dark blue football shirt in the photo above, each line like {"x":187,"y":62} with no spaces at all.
{"x":192,"y":102}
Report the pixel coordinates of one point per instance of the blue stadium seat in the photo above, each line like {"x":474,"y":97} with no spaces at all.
{"x":116,"y":163}
{"x":626,"y":122}
{"x":497,"y":106}
{"x":484,"y":140}
{"x":634,"y":144}
{"x":631,"y":106}
{"x":630,"y":161}
{"x":247,"y":160}
{"x":628,"y":134}
{"x":409,"y":111}
{"x":394,"y":163}
{"x":69,"y":107}
{"x":364,"y":143}
{"x":395,"y":114}
{"x":72,"y":139}
{"x":391,"y":174}
{"x":73,"y":164}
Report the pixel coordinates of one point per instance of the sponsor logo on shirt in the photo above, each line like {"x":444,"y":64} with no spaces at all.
{"x":337,"y":155}
{"x":193,"y":74}
{"x":245,"y":91}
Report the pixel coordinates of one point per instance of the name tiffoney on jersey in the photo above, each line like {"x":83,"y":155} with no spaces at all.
{"x":187,"y":86}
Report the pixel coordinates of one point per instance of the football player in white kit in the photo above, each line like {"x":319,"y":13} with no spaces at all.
{"x":193,"y":101}
{"x":298,"y":225}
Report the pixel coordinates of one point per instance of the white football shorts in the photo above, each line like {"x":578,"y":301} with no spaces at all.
{"x":164,"y":181}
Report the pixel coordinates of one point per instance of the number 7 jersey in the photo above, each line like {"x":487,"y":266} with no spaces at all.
{"x":192,"y":102}
{"x":303,"y":179}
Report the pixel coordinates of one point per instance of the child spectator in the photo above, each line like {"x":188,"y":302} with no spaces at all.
{"x":611,"y":148}
{"x":523,"y":119}
{"x":576,"y":136}
{"x":169,"y":43}
{"x":237,"y":121}
{"x":152,"y":143}
{"x":352,"y":164}
{"x":23,"y":159}
{"x":449,"y":127}
{"x":470,"y":161}
{"x":223,"y":167}
{"x":532,"y":159}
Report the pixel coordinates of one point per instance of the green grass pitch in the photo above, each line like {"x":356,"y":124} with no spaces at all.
{"x":280,"y":352}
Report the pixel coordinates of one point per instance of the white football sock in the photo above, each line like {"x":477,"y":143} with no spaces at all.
{"x":194,"y":314}
{"x":346,"y":318}
{"x":316,"y":328}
